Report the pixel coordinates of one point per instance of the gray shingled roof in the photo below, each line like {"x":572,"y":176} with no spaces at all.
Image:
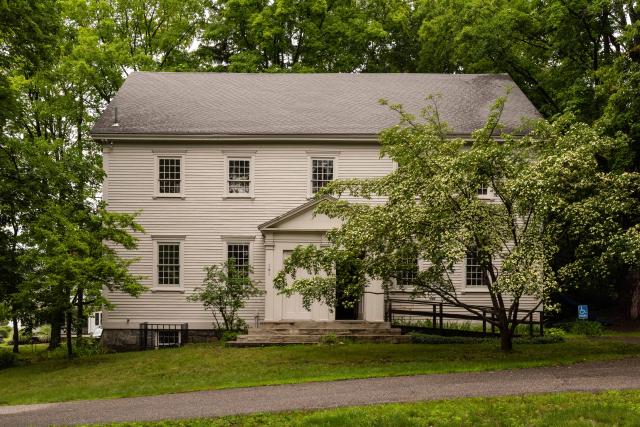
{"x":221,"y":104}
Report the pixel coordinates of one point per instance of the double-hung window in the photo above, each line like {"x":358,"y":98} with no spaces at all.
{"x":239,"y":252}
{"x":169,"y":175}
{"x":408,"y":271}
{"x":168,"y":267}
{"x":322,"y":172}
{"x":239,"y":176}
{"x":474,"y":275}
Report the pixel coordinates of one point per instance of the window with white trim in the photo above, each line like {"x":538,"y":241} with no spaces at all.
{"x":240,"y":254}
{"x":322,"y":172}
{"x":239,"y":176}
{"x":168,"y":264}
{"x":408,"y":271}
{"x":482,"y":190}
{"x":169,"y":175}
{"x":473,"y":269}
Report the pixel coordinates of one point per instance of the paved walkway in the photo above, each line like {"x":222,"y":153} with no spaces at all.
{"x":593,"y":376}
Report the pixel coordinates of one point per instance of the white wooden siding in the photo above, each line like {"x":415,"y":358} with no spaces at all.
{"x":205,"y":218}
{"x":208,"y":220}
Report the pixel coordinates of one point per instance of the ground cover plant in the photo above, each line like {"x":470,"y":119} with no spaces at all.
{"x":216,"y":367}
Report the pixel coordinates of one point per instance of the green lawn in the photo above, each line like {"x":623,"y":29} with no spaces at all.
{"x":612,"y":408}
{"x":204,"y":367}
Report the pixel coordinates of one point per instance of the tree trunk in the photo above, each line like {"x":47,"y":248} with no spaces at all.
{"x":80,"y":313}
{"x":56,"y":327}
{"x":69,"y":325}
{"x":506,"y":339}
{"x":633,"y":278}
{"x":16,"y":335}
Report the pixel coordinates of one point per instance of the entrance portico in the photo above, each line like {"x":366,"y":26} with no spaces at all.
{"x":281,"y":236}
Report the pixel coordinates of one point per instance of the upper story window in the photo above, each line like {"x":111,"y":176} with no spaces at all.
{"x":474,"y":274}
{"x":239,"y":176}
{"x":168,"y":256}
{"x":322,"y":172}
{"x":483,"y":190}
{"x":239,"y":252}
{"x":169,"y":172}
{"x":169,"y":177}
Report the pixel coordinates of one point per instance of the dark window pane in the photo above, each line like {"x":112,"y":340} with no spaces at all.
{"x":240,"y":253}
{"x":321,"y":173}
{"x":169,"y":264}
{"x":408,"y":271}
{"x":239,"y":176}
{"x":169,"y":176}
{"x":474,"y":275}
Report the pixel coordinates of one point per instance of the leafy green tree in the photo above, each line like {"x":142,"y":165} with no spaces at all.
{"x":432,"y":211}
{"x":310,"y":35}
{"x":575,"y":56}
{"x":112,"y":39}
{"x":225,"y":291}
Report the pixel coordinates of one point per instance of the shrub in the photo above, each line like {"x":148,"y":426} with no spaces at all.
{"x":418,"y":338}
{"x":229,"y":336}
{"x":89,"y":347}
{"x":547,"y":339}
{"x":43,"y":331}
{"x":439,"y":339}
{"x":225,"y":290}
{"x":329,"y":339}
{"x":26,"y":340}
{"x":7,"y":359}
{"x":586,"y":327}
{"x":555,"y":332}
{"x":5,"y":331}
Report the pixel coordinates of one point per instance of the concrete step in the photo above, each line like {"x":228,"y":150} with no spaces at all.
{"x":268,"y":340}
{"x":323,"y":331}
{"x":338,"y":324}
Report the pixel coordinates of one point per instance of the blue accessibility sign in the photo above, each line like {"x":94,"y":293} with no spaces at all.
{"x":583,"y":312}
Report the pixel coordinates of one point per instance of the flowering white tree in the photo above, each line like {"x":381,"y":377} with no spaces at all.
{"x":432,"y":211}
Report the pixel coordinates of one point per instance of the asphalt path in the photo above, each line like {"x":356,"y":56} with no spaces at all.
{"x":591,"y":376}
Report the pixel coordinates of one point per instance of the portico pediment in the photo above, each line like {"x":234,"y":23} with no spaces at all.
{"x":301,"y":218}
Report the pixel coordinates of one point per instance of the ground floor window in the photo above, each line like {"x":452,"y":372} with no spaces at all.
{"x":168,"y":338}
{"x":474,"y":275}
{"x":239,"y":252}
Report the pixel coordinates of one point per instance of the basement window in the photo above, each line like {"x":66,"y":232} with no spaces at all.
{"x":168,"y":338}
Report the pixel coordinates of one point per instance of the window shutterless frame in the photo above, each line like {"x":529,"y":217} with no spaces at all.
{"x":473,"y":271}
{"x":240,"y":248}
{"x":239,"y":175}
{"x":322,"y":168}
{"x":168,"y":263}
{"x":169,"y":173}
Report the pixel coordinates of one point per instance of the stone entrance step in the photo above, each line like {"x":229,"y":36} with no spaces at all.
{"x":308,"y":332}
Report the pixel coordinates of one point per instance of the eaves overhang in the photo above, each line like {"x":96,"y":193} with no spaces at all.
{"x":235,"y":137}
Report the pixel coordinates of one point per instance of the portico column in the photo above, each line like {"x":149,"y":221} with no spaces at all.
{"x":269,"y":310}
